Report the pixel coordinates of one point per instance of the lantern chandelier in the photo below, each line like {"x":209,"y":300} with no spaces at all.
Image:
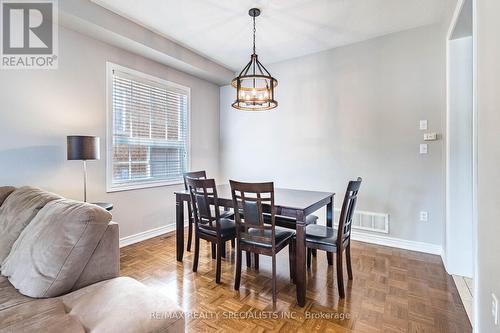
{"x":254,"y":85}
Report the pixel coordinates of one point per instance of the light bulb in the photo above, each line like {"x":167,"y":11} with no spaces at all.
{"x":254,"y":92}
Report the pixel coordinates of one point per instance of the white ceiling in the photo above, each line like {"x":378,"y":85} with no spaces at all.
{"x":221,"y":29}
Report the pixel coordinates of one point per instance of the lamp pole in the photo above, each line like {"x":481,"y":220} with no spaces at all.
{"x":84,"y":180}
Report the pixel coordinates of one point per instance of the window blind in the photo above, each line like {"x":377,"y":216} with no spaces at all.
{"x":149,"y":131}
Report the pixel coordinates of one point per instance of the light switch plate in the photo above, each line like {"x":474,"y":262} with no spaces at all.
{"x":424,"y":216}
{"x":423,"y":125}
{"x":423,"y":148}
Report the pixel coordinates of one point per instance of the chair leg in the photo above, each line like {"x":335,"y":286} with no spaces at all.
{"x":274,"y":278}
{"x":348,"y":261}
{"x":256,"y":263}
{"x":223,"y":249}
{"x":314,"y":251}
{"x":249,"y":259}
{"x":340,"y":275}
{"x":233,"y":243}
{"x":220,"y":246}
{"x":291,"y":258}
{"x":237,"y":277}
{"x":190,"y":230}
{"x":214,"y":250}
{"x":309,"y":253}
{"x":329,"y":257}
{"x":196,"y":252}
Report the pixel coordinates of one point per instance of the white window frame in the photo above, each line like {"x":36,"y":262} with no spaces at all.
{"x":110,"y":68}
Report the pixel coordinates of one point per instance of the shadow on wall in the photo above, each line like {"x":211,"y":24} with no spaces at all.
{"x":30,"y":165}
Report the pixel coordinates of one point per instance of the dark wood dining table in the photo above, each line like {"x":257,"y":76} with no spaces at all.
{"x":297,"y":204}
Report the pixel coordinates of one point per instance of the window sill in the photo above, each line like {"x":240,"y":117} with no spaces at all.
{"x":142,"y":186}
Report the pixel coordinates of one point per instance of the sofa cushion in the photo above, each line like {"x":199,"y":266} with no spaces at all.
{"x":124,"y":305}
{"x":5,"y":191}
{"x":41,"y":315}
{"x":52,"y":251}
{"x":16,"y":213}
{"x":9,"y":296}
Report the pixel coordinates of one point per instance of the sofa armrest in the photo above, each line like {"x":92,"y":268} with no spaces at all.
{"x":104,"y":264}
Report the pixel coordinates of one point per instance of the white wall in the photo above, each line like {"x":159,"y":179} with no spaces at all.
{"x":459,"y":229}
{"x":39,"y":108}
{"x":488,"y":110}
{"x":347,"y":112}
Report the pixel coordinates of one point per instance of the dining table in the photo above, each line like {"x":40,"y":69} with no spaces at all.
{"x":293,"y":203}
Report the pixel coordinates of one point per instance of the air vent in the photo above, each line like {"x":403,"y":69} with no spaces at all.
{"x":367,"y":221}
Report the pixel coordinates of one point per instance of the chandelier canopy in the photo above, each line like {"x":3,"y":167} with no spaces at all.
{"x":254,"y":85}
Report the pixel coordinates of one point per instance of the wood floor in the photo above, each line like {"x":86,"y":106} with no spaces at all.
{"x":393,"y":291}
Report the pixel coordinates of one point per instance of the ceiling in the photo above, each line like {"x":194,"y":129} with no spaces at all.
{"x":221,"y":29}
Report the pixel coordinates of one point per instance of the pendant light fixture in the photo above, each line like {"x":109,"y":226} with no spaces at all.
{"x":254,"y":85}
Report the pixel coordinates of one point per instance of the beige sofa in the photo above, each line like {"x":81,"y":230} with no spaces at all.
{"x":60,"y":262}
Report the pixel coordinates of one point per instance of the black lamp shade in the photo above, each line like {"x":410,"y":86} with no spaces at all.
{"x":83,"y":147}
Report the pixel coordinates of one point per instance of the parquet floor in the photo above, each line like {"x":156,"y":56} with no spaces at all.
{"x":393,"y":291}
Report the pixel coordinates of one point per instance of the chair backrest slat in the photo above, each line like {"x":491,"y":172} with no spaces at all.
{"x":249,"y":200}
{"x":347,"y":212}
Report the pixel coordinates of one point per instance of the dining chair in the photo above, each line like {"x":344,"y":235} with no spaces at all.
{"x":209,"y":224}
{"x":328,"y":239}
{"x":202,"y":174}
{"x":250,"y":200}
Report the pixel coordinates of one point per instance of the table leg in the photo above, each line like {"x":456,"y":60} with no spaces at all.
{"x":329,"y":223}
{"x":179,"y":226}
{"x":300,"y":257}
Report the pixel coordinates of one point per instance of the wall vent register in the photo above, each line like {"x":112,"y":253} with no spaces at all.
{"x":368,"y":221}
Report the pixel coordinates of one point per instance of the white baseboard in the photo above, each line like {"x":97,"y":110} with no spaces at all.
{"x":397,"y":242}
{"x":356,"y":235}
{"x":141,"y":236}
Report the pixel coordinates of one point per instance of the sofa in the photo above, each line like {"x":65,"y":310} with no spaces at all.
{"x":60,"y":265}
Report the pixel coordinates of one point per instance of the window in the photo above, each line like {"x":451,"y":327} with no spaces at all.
{"x":148,"y":130}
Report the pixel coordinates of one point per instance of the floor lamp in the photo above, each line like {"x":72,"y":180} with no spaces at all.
{"x":83,"y":148}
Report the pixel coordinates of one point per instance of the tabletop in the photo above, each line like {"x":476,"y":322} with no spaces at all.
{"x":283,"y":197}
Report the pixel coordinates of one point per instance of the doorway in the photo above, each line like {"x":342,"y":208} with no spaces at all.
{"x":459,"y":249}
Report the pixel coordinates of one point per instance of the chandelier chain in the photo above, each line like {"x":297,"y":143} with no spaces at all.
{"x":254,"y":31}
